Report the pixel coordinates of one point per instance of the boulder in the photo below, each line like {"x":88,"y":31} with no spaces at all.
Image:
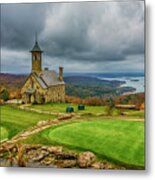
{"x":66,"y":163}
{"x":9,"y":146}
{"x":48,"y":160}
{"x":55,"y":149}
{"x":42,"y":123}
{"x":99,"y":165}
{"x":66,"y":156}
{"x":66,"y":116}
{"x":44,"y":148}
{"x":29,"y":147}
{"x":37,"y":155}
{"x":86,"y":159}
{"x":108,"y":166}
{"x":14,"y":150}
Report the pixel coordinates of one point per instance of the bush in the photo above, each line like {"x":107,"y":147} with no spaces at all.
{"x":15,"y":94}
{"x":73,"y":99}
{"x":115,"y":112}
{"x":4,"y":94}
{"x":93,"y":101}
{"x":107,"y":111}
{"x":110,"y":102}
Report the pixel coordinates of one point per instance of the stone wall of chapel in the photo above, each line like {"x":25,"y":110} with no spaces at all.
{"x":51,"y":94}
{"x":55,"y":94}
{"x":32,"y":83}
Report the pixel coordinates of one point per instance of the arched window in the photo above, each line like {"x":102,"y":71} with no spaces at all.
{"x":34,"y":57}
{"x":39,"y":56}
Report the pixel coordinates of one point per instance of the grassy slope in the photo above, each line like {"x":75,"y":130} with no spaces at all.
{"x":119,"y":141}
{"x":16,"y":120}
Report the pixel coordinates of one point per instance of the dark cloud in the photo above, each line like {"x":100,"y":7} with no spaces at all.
{"x":95,"y":31}
{"x":78,"y":33}
{"x":19,"y":22}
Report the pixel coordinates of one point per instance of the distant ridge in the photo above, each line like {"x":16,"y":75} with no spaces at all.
{"x":109,"y":75}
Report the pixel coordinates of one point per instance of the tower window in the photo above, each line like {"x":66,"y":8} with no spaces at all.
{"x":34,"y":57}
{"x":38,"y":56}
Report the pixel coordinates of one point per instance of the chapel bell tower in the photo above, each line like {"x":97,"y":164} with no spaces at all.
{"x":36,"y":57}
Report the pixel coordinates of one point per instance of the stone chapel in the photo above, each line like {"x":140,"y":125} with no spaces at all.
{"x":42,"y":86}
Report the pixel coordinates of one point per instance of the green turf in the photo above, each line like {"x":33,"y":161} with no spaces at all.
{"x":104,"y":110}
{"x":119,"y":141}
{"x":16,"y":120}
{"x":61,"y":107}
{"x":3,"y":133}
{"x":134,"y":113}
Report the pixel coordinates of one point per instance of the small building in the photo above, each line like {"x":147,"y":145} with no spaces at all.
{"x":42,"y":86}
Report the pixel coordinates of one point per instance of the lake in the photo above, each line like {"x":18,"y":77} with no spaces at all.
{"x":135,"y":82}
{"x":132,"y":79}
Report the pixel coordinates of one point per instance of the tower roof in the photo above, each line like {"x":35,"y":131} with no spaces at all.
{"x":36,"y":47}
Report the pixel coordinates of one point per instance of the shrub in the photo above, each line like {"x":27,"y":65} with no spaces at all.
{"x":115,"y":112}
{"x":110,"y":102}
{"x":15,"y":94}
{"x":107,"y":110}
{"x":93,"y":101}
{"x":73,"y":99}
{"x":4,"y":94}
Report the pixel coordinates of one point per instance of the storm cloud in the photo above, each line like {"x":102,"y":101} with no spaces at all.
{"x":87,"y":36}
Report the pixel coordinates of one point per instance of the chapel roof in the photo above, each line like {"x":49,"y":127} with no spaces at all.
{"x":48,"y":78}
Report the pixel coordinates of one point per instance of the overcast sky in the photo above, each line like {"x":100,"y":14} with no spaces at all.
{"x":82,"y":37}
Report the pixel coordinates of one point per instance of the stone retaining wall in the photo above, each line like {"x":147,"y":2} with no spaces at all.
{"x":48,"y":156}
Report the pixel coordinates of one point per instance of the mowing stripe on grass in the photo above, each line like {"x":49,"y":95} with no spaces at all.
{"x":122,"y":141}
{"x":16,"y":120}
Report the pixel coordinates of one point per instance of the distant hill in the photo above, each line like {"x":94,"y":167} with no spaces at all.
{"x":12,"y":81}
{"x":81,"y":86}
{"x":92,"y":81}
{"x":84,"y":86}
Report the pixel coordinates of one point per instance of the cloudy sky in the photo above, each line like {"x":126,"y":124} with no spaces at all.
{"x":82,"y":37}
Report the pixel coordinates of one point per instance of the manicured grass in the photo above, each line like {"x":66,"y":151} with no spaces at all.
{"x":134,"y":113}
{"x":118,"y":141}
{"x":104,"y":110}
{"x":16,"y":120}
{"x":3,"y":133}
{"x":61,"y":107}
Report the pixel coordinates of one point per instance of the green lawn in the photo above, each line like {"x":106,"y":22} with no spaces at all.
{"x":118,"y":141}
{"x":3,"y":133}
{"x":61,"y":107}
{"x":134,"y":113}
{"x":14,"y":120}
